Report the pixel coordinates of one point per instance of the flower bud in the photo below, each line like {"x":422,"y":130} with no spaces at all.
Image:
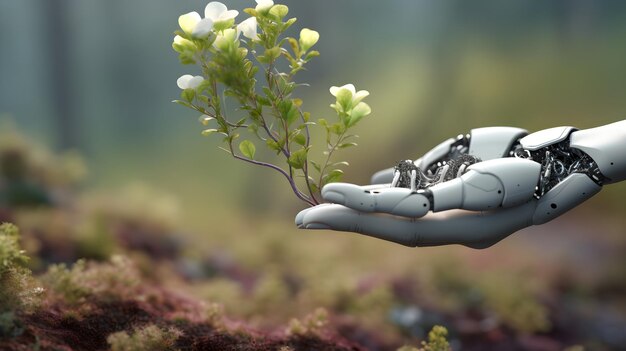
{"x":308,"y":38}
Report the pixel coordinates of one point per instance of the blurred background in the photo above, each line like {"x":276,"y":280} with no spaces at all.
{"x":93,"y":81}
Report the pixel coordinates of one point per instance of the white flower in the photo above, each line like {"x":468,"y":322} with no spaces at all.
{"x":355,"y":97}
{"x":214,"y":13}
{"x":203,"y":28}
{"x":226,"y":38}
{"x":218,"y":12}
{"x":189,"y":82}
{"x":192,"y":24}
{"x":181,"y":44}
{"x":188,"y":21}
{"x":182,"y":41}
{"x":308,"y":38}
{"x":263,"y":5}
{"x":349,"y":103}
{"x":248,"y":28}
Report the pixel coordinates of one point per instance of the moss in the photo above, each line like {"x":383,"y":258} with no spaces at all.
{"x":110,"y":281}
{"x":148,"y":338}
{"x":19,"y":292}
{"x":311,"y":325}
{"x":436,"y":341}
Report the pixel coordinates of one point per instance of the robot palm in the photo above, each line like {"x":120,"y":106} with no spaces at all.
{"x":523,"y":179}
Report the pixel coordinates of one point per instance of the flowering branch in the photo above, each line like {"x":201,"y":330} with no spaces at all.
{"x":272,"y":115}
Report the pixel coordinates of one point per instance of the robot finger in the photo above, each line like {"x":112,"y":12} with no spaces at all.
{"x":395,"y":201}
{"x":449,"y":227}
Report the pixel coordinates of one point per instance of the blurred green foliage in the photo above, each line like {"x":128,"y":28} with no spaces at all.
{"x":18,"y":292}
{"x":115,"y":280}
{"x":436,"y":341}
{"x":148,"y":338}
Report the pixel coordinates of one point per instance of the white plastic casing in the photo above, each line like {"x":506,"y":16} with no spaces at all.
{"x":545,"y":137}
{"x":493,"y":142}
{"x":504,"y":182}
{"x":607,"y":146}
{"x":569,"y":193}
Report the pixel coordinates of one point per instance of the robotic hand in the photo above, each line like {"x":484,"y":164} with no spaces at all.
{"x":479,"y":188}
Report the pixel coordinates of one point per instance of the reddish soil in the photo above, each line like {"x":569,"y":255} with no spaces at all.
{"x":50,"y":329}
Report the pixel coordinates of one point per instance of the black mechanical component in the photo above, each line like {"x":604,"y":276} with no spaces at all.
{"x":446,"y":170}
{"x":405,"y":168}
{"x":458,"y":148}
{"x":559,"y":161}
{"x":448,"y":167}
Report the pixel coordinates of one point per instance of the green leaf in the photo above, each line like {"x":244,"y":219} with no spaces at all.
{"x":295,"y":47}
{"x":204,"y":99}
{"x":272,"y":54}
{"x":311,"y":55}
{"x":252,"y":12}
{"x":298,"y":158}
{"x":333,"y":176}
{"x":241,"y":122}
{"x":289,"y":23}
{"x":263,"y":59}
{"x":262,"y":100}
{"x":338,"y":128}
{"x":204,"y":119}
{"x":209,"y":131}
{"x":188,"y":95}
{"x":316,"y":166}
{"x":273,"y":145}
{"x":219,"y":26}
{"x":341,"y":163}
{"x":270,"y":95}
{"x":314,"y":186}
{"x":184,"y":103}
{"x":279,"y":11}
{"x":186,"y":58}
{"x":284,"y":107}
{"x":343,"y":146}
{"x":300,"y":139}
{"x":204,"y":86}
{"x":285,"y":86}
{"x":292,"y":115}
{"x":360,"y":110}
{"x":247,"y":148}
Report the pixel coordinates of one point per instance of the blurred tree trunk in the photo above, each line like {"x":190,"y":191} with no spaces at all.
{"x":57,"y":34}
{"x":445,"y":59}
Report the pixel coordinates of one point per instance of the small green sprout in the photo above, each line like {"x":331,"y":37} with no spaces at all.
{"x":258,"y":71}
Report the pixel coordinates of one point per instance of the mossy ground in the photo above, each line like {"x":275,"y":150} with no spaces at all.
{"x":120,"y":263}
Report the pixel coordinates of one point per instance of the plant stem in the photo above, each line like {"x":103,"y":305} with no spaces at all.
{"x":330,"y":153}
{"x":306,"y":163}
{"x":276,"y":168}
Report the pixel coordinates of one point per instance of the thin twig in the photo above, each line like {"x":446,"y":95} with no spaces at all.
{"x":276,"y":168}
{"x":330,"y":153}
{"x":306,"y":163}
